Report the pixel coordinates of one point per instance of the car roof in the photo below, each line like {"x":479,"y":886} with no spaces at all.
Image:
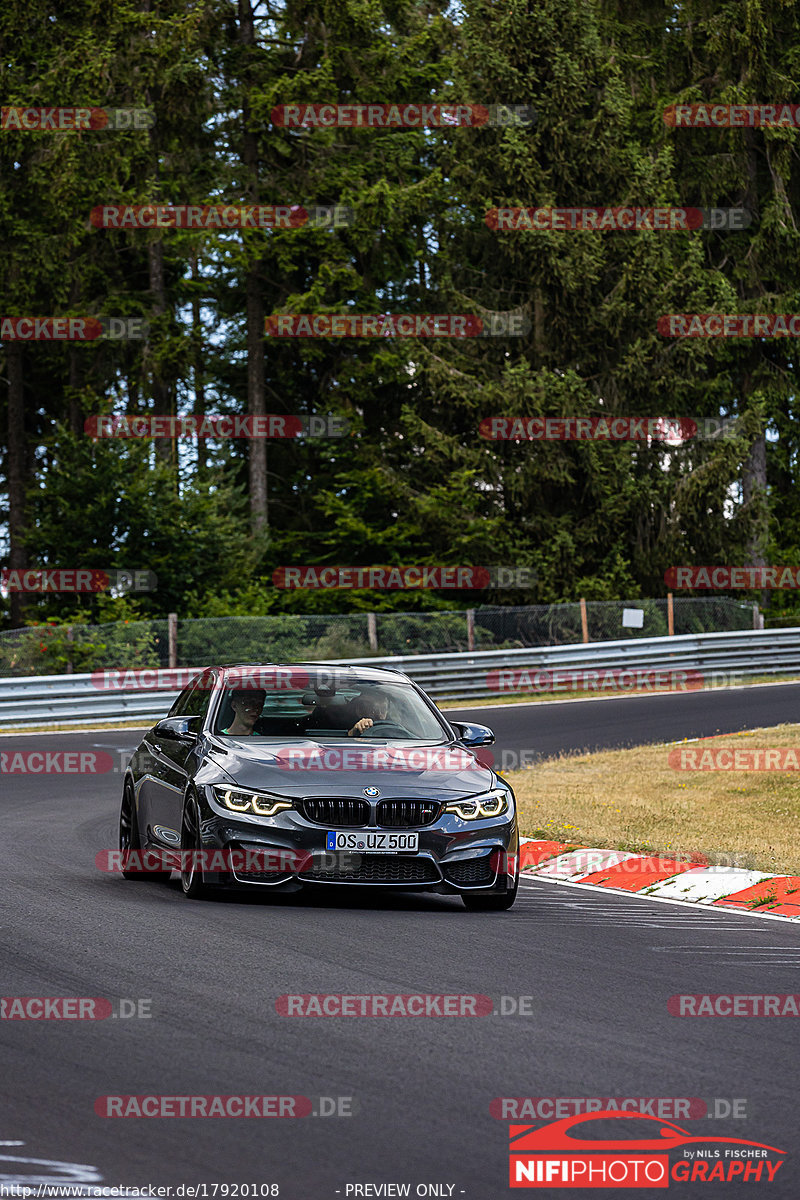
{"x":374,"y":674}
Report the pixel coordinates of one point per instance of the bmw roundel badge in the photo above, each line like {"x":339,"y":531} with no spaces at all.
{"x":372,"y":791}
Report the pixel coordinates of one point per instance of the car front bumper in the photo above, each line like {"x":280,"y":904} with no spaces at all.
{"x":454,"y":856}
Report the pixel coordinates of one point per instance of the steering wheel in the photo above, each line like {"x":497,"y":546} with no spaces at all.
{"x":386,"y":729}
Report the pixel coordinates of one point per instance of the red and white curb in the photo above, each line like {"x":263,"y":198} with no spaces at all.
{"x":695,"y":882}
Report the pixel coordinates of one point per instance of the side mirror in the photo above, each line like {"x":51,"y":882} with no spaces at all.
{"x":473,"y":735}
{"x":178,"y":729}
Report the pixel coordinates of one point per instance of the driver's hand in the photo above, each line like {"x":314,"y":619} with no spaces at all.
{"x":360,"y":726}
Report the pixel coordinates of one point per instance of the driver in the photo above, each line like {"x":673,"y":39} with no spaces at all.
{"x":247,"y":705}
{"x":374,"y":704}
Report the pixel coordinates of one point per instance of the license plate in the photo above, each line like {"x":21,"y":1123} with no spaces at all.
{"x":373,"y":843}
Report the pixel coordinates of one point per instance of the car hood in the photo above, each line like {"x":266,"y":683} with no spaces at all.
{"x":301,"y":767}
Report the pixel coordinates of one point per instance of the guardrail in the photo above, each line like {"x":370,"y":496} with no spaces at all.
{"x":78,"y":700}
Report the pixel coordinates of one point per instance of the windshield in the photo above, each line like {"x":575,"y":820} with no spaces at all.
{"x":299,"y":703}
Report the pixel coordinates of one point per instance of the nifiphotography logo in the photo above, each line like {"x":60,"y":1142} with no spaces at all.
{"x":612,"y":1149}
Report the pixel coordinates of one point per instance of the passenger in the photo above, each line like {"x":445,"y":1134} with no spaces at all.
{"x":247,"y":705}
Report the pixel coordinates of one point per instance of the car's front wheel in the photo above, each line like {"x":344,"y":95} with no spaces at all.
{"x":130,"y":842}
{"x":191,"y":872}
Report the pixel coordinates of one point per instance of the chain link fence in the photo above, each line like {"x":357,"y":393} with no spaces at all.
{"x":561,"y":624}
{"x":64,"y":649}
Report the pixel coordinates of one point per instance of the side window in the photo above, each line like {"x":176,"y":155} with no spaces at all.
{"x":199,"y":698}
{"x":194,"y":699}
{"x":179,"y":705}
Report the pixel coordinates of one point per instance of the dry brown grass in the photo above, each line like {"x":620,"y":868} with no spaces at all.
{"x":633,"y":800}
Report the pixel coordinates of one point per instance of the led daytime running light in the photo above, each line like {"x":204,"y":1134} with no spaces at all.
{"x":479,"y":807}
{"x":240,"y":801}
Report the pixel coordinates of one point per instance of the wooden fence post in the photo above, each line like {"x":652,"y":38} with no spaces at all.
{"x":172,"y":630}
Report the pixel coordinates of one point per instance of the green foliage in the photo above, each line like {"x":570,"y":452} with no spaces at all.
{"x":414,"y":482}
{"x":54,"y":648}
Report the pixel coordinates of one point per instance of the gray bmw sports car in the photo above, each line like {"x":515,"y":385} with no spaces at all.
{"x":284,"y":776}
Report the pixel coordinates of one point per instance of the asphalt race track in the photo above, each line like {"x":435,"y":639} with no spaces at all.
{"x":545,"y":728}
{"x":598,"y":968}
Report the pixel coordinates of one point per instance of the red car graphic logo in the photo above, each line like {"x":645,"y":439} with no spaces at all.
{"x":663,"y":1135}
{"x":578,"y":1152}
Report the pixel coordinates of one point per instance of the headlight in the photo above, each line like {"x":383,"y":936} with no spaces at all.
{"x":491,"y":804}
{"x":241,"y":800}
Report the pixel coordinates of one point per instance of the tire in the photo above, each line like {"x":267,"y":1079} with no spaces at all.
{"x":130,"y":839}
{"x":499,"y":902}
{"x":192,"y":883}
